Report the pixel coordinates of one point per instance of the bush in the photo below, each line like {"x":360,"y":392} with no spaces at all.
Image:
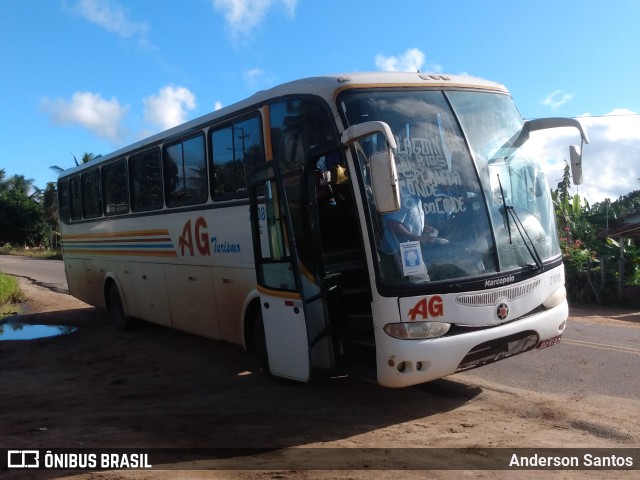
{"x":9,"y":290}
{"x":45,"y":253}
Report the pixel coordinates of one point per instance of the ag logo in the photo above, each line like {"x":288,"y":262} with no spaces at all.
{"x":502,"y":311}
{"x":199,"y":231}
{"x":427,"y":307}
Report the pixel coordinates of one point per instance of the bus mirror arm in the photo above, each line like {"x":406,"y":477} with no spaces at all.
{"x":575,"y":151}
{"x":555,"y":122}
{"x":542,"y":124}
{"x":354,"y":132}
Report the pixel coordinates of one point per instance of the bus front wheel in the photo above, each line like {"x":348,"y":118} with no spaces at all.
{"x":116,"y":310}
{"x":260,"y":342}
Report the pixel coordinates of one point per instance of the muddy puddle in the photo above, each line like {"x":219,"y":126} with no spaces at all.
{"x":26,"y":331}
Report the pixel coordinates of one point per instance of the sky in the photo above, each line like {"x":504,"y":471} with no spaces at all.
{"x":92,"y":76}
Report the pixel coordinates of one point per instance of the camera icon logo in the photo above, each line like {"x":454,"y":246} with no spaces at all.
{"x":23,"y":459}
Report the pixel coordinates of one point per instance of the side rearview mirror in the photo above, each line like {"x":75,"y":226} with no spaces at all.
{"x":575,"y":154}
{"x":384,"y":181}
{"x":382,"y":164}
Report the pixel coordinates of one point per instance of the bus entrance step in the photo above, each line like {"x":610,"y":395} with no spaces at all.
{"x":364,"y":341}
{"x":364,"y":373}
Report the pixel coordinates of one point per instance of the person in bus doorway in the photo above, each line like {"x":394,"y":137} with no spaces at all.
{"x":405,"y":231}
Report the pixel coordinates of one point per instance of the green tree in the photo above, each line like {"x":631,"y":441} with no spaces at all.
{"x":22,"y":220}
{"x":50,"y":210}
{"x":22,"y":185}
{"x":578,"y":241}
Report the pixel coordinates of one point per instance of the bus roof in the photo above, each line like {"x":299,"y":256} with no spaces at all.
{"x":327,"y":87}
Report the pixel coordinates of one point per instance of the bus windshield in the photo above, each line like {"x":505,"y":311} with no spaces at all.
{"x":471,"y":203}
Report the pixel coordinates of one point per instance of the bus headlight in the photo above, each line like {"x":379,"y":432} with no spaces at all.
{"x":556,"y":298}
{"x":417,"y":330}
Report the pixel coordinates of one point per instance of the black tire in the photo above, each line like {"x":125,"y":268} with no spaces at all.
{"x":116,"y":310}
{"x":260,"y":342}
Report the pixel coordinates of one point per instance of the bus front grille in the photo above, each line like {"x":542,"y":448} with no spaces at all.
{"x":490,"y":298}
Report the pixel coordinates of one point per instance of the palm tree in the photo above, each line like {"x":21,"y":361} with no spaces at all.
{"x":86,"y":158}
{"x":23,"y":186}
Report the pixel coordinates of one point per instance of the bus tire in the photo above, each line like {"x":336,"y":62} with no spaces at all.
{"x":116,"y":310}
{"x":260,"y":342}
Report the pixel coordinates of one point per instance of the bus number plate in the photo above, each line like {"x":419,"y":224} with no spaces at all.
{"x":549,"y":342}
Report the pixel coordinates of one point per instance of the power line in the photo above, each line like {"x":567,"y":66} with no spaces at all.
{"x":600,"y":116}
{"x":609,"y":115}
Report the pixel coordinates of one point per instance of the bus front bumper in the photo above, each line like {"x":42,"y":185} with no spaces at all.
{"x":402,"y":362}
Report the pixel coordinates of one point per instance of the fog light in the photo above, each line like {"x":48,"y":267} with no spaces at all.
{"x":417,"y":330}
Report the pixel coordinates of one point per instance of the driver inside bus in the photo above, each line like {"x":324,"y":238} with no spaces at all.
{"x":405,"y":231}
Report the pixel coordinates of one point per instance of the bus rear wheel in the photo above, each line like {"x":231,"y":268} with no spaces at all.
{"x":116,"y":310}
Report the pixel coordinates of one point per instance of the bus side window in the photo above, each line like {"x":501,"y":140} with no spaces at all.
{"x":114,"y":188}
{"x":75,"y":203}
{"x":91,"y":200}
{"x":185,"y":172}
{"x":145,"y":177}
{"x":237,"y":150}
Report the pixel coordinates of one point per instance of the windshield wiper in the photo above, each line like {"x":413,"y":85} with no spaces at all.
{"x":505,"y":209}
{"x":531,"y":247}
{"x":509,"y":211}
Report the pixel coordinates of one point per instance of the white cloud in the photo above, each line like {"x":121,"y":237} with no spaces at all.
{"x":112,"y":17}
{"x":619,"y":124}
{"x":611,"y":161}
{"x":410,"y":61}
{"x":253,"y":76}
{"x":169,"y":107}
{"x":90,"y":110}
{"x":217,"y":105}
{"x":556,"y":99}
{"x":243,"y":16}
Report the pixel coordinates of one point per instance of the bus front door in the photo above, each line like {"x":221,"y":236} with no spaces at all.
{"x":293,"y":311}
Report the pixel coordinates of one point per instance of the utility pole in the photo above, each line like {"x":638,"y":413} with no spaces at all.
{"x":621,"y":270}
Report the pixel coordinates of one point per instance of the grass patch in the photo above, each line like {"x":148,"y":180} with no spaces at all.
{"x":47,"y":254}
{"x":10,"y":294}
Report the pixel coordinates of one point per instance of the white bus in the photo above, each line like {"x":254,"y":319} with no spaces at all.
{"x":399,"y":219}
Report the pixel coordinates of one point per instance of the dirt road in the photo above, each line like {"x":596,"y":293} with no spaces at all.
{"x":155,"y":387}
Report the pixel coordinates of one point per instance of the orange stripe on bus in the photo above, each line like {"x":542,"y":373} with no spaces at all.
{"x":122,"y":253}
{"x":131,"y":233}
{"x":133,"y":240}
{"x":279,"y":293}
